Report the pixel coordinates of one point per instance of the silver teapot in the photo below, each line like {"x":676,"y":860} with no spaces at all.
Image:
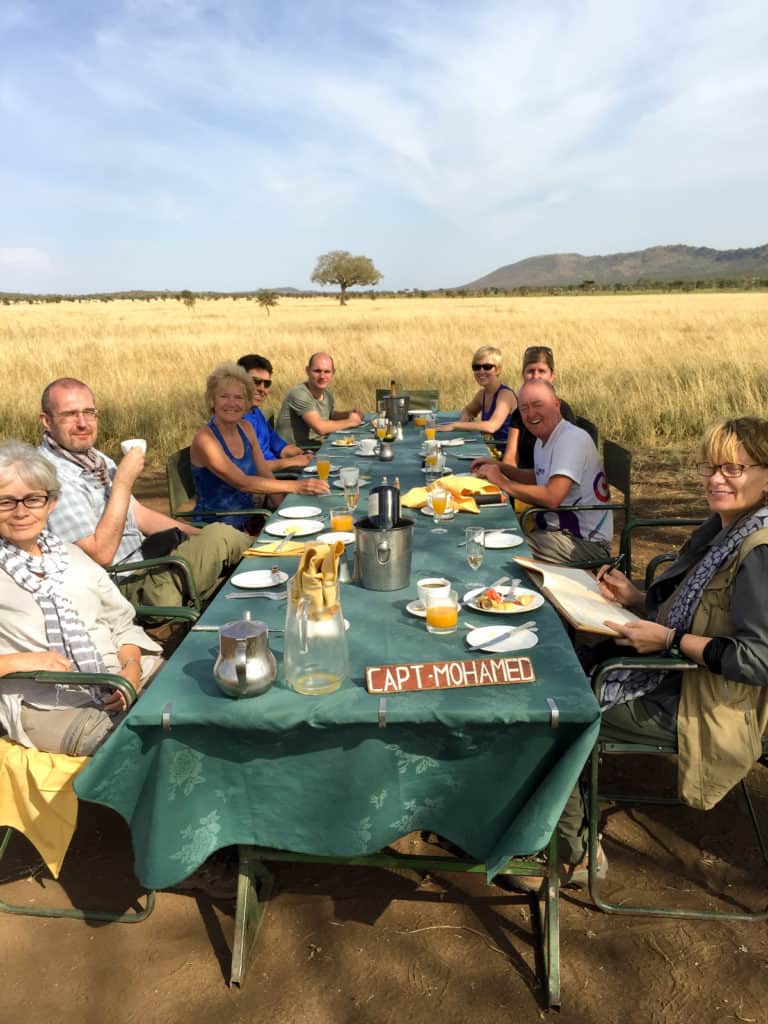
{"x":245,"y":666}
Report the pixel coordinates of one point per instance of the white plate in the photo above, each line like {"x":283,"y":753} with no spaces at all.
{"x":258,"y":579}
{"x":444,"y":471}
{"x":496,"y":539}
{"x":469,"y":600}
{"x":453,"y":442}
{"x":300,"y":529}
{"x":427,"y":511}
{"x":300,"y":512}
{"x":343,"y":535}
{"x":363,"y":481}
{"x":416,"y":608}
{"x":313,"y":469}
{"x":341,"y":443}
{"x":482,"y":640}
{"x":419,"y":412}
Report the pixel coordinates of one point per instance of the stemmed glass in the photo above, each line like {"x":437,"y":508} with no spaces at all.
{"x":350,"y":481}
{"x":440,"y":508}
{"x":475,"y":542}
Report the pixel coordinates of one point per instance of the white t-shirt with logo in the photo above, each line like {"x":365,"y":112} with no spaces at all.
{"x":570,"y":451}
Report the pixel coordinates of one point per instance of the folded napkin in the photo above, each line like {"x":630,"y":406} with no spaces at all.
{"x":291,"y":547}
{"x":37,"y":799}
{"x":317,"y":578}
{"x":461,"y":489}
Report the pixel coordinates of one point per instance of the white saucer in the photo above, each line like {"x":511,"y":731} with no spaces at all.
{"x":302,"y":528}
{"x":343,"y":535}
{"x":497,"y":539}
{"x":416,"y":608}
{"x":258,"y":579}
{"x":300,"y":512}
{"x":481,"y":639}
{"x":367,"y":455}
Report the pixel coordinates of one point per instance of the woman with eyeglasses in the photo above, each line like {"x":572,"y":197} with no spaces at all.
{"x":709,"y":606}
{"x":228,"y":467}
{"x":494,"y":403}
{"x":59,"y":612}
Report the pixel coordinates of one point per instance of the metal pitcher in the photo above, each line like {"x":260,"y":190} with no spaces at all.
{"x":245,"y":666}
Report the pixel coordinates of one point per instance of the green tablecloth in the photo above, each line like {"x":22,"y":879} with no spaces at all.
{"x":483,"y":767}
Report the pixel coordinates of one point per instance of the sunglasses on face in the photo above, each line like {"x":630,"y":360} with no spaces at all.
{"x":261,"y":381}
{"x":483,"y":366}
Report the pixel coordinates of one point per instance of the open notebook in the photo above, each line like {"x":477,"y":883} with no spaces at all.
{"x":576,"y":595}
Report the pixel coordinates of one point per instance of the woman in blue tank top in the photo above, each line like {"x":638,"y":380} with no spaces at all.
{"x":494,"y":403}
{"x":228,"y":467}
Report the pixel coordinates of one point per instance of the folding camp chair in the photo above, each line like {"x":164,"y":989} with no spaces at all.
{"x":181,"y":492}
{"x":37,"y":814}
{"x":604,"y":747}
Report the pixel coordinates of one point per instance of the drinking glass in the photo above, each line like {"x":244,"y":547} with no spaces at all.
{"x":442,"y":612}
{"x":475,"y":542}
{"x":341,"y":520}
{"x":429,"y":427}
{"x":350,"y":477}
{"x":323,"y":468}
{"x":441,"y":505}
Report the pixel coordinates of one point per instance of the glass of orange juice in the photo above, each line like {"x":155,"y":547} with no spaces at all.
{"x":341,"y":520}
{"x":441,"y":507}
{"x":442,"y":612}
{"x":323,"y":468}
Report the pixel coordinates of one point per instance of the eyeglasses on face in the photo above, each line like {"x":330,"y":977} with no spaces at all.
{"x":28,"y":501}
{"x":263,"y":382}
{"x":483,"y":366}
{"x":70,"y":415}
{"x":732,"y":470}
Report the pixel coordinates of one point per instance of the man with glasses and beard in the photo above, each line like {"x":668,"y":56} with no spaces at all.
{"x":97,"y":511}
{"x":273,"y":447}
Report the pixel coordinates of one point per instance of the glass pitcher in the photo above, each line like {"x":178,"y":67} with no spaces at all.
{"x":316,"y":659}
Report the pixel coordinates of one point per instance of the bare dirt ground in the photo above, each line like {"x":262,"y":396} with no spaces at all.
{"x":351,"y":946}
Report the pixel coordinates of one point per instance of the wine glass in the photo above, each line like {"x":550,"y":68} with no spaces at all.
{"x":475,"y":542}
{"x":440,"y":508}
{"x":350,"y":481}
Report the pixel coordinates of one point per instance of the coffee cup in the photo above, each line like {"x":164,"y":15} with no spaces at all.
{"x":133,"y":442}
{"x":367,"y":445}
{"x":432,"y":585}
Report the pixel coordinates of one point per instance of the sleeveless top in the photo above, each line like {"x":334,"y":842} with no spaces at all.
{"x":214,"y":493}
{"x":499,"y":436}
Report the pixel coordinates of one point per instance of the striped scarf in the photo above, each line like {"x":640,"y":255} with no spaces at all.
{"x":91,"y":461}
{"x":63,"y":626}
{"x":624,"y":684}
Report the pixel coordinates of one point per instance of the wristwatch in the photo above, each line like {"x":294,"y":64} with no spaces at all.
{"x":674,"y":648}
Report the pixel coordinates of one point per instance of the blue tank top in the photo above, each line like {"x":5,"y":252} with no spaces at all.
{"x":500,"y":435}
{"x":214,"y":493}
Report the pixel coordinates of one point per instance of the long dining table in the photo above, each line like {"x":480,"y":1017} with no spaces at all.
{"x":341,"y":776}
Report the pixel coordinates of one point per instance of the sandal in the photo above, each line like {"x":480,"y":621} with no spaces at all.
{"x":576,"y":876}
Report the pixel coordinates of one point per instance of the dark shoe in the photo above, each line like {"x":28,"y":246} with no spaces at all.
{"x":216,"y":878}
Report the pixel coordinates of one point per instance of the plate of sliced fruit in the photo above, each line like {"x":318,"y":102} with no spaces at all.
{"x":503,"y":600}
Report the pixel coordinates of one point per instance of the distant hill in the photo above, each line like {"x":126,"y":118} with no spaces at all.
{"x":660,"y":263}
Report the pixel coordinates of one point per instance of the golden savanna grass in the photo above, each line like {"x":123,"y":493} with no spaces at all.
{"x":650,"y":370}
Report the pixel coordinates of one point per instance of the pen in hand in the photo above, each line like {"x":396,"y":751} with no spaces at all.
{"x":614,"y":563}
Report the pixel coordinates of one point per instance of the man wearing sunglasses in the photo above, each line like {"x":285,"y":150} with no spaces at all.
{"x":273,"y":447}
{"x":97,"y":511}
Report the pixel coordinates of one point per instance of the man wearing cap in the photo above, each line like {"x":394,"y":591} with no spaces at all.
{"x":97,"y":511}
{"x":273,"y":447}
{"x":567,"y":472}
{"x":308,"y":412}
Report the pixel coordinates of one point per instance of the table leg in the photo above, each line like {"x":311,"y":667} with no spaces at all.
{"x":550,"y":927}
{"x":254,"y":888}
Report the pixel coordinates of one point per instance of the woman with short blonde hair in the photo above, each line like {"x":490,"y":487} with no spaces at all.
{"x":494,"y":403}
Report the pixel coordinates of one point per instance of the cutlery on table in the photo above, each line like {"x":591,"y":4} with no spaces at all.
{"x":277,"y":595}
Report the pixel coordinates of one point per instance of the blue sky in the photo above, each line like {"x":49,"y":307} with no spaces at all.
{"x":225,"y":145}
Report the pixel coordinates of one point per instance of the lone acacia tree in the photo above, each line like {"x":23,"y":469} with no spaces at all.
{"x":266,"y":298}
{"x":342,"y":268}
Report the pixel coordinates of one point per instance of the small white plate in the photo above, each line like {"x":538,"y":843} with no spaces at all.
{"x":427,"y":511}
{"x":416,"y":608}
{"x":300,"y":512}
{"x":469,"y":600}
{"x":444,"y":471}
{"x":367,"y":455}
{"x":419,"y":412}
{"x":452,"y":442}
{"x":300,"y":529}
{"x":258,"y":579}
{"x":343,"y":535}
{"x":482,"y":640}
{"x":313,"y":469}
{"x":496,"y":539}
{"x":363,"y":481}
{"x":341,"y":443}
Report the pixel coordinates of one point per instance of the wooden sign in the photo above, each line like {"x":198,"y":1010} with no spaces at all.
{"x":448,"y":675}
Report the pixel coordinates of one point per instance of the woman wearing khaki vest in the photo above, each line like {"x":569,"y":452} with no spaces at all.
{"x":710,"y":607}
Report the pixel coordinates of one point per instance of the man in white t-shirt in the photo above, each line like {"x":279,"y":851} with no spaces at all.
{"x":567,"y":471}
{"x":308,"y":412}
